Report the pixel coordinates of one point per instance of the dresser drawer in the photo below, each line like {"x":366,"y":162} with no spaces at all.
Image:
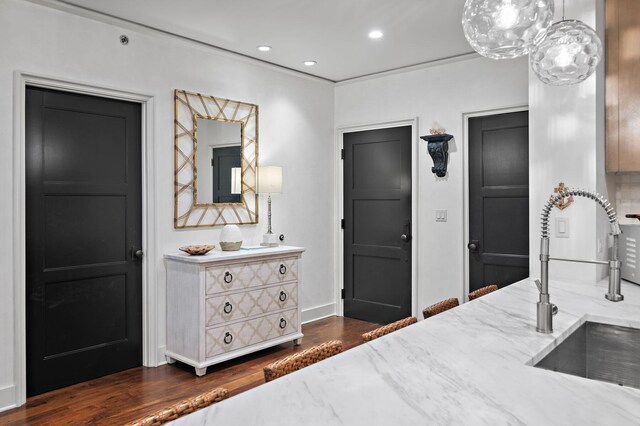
{"x":231,"y":337}
{"x":251,"y":274}
{"x":230,"y":307}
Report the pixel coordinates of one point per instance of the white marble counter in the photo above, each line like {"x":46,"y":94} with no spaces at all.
{"x":470,"y":365}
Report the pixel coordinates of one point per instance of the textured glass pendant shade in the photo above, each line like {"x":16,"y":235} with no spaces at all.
{"x":503,"y":29}
{"x":568,"y":54}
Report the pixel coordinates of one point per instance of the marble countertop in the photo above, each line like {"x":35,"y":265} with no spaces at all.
{"x":470,"y":365}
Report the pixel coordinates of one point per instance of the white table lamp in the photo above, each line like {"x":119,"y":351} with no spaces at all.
{"x":269,"y":182}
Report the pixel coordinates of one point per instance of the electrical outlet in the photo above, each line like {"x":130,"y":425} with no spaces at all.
{"x":562,"y":227}
{"x":441,"y":215}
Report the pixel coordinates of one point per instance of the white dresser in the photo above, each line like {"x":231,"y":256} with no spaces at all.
{"x":226,"y":304}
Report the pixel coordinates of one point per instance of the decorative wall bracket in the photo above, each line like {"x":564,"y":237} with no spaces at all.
{"x":438,"y":147}
{"x":564,"y":202}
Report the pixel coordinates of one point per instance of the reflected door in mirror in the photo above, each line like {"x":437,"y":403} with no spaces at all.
{"x":224,"y":160}
{"x":218,"y":151}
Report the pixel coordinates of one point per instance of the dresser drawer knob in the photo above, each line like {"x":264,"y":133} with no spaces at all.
{"x":228,"y":338}
{"x":283,"y":269}
{"x":283,"y":323}
{"x":228,"y":307}
{"x":283,"y":296}
{"x":228,"y":277}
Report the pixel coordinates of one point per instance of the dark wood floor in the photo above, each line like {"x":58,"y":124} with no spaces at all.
{"x":125,"y":396}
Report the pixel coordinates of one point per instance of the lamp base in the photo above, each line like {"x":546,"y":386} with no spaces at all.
{"x":270,"y":240}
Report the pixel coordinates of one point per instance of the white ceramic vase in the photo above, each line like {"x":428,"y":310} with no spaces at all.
{"x":230,"y":238}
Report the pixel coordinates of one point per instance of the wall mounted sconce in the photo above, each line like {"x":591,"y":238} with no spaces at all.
{"x":438,"y":148}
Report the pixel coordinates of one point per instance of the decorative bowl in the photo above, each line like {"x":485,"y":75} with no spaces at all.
{"x":197,"y":250}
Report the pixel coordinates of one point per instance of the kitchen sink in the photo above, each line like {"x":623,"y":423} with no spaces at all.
{"x":604,"y":352}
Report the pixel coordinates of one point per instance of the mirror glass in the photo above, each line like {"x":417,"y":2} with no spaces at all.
{"x":218,"y":161}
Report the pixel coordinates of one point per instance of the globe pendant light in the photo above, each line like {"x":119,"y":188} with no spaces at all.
{"x":569,"y":53}
{"x":503,"y":29}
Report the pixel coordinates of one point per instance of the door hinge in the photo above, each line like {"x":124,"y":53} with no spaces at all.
{"x":341,"y":223}
{"x":342,"y":293}
{"x":212,"y":162}
{"x":342,"y":154}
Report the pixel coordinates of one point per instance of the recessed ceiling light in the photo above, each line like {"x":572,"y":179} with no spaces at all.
{"x":376,"y":34}
{"x":310,"y":63}
{"x":264,"y":48}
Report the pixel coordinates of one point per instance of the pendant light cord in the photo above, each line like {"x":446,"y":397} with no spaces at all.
{"x":563,"y":10}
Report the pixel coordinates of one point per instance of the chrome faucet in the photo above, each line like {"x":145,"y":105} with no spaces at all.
{"x":546,"y":309}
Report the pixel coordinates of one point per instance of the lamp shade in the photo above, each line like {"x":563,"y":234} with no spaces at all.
{"x":236,"y":180}
{"x":269,"y":180}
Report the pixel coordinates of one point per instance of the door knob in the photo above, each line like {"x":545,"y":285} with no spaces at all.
{"x":138,"y":254}
{"x":407,"y":232}
{"x":473,"y":245}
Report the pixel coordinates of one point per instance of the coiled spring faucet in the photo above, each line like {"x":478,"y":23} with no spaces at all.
{"x":545,"y":309}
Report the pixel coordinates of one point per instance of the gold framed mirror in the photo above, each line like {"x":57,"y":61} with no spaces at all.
{"x":216,"y":159}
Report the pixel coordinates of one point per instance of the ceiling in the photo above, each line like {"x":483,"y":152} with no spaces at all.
{"x":332,"y":32}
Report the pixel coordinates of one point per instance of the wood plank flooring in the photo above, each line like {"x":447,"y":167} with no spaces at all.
{"x":128,"y":395}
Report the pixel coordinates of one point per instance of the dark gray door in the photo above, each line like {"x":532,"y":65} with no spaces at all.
{"x":222,"y":161}
{"x":83,"y":228}
{"x":498,"y":199}
{"x":377,"y":224}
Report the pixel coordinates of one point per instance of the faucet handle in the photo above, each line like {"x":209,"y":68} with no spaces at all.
{"x":539,"y":285}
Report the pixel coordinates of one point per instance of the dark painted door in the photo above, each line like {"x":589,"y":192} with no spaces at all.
{"x":223,"y":160}
{"x":498,"y":199}
{"x":377,"y":224}
{"x":83,"y":228}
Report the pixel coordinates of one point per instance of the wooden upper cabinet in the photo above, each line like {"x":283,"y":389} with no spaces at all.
{"x":623,"y":85}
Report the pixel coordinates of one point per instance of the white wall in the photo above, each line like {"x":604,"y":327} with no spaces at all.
{"x":604,"y":181}
{"x":296,"y":132}
{"x":441,"y":94}
{"x":566,"y":144}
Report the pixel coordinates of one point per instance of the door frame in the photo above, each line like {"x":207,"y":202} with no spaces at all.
{"x":23,"y":79}
{"x":339,"y":203}
{"x":465,"y":182}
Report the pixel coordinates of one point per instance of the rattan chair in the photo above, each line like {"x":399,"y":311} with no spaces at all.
{"x":182,"y":408}
{"x":440,"y":307}
{"x":482,"y":291}
{"x":302,"y":359}
{"x":389,"y":328}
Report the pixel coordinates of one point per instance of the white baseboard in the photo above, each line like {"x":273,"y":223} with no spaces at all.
{"x":160,"y":357}
{"x":318,"y":312}
{"x":7,"y":398}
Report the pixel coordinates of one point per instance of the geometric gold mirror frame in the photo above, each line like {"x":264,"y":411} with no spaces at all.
{"x":207,"y":129}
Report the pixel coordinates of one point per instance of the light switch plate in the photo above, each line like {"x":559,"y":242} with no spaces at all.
{"x":441,"y":215}
{"x":562,"y":227}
